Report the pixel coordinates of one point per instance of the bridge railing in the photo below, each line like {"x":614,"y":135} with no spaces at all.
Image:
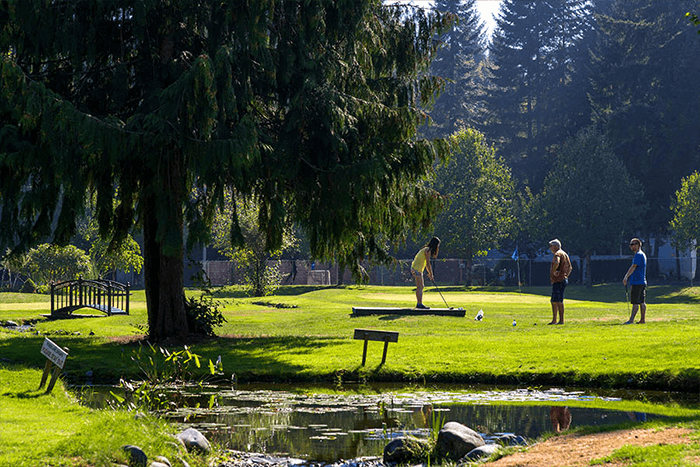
{"x":107,"y":296}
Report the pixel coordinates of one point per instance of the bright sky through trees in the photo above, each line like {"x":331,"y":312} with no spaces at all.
{"x":487,"y":8}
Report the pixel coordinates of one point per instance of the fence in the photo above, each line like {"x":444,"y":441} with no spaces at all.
{"x":483,"y":271}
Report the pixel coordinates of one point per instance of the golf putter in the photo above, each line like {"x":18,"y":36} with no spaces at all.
{"x":438,"y":289}
{"x":627,"y":295}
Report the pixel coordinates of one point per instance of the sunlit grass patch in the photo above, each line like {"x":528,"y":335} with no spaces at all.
{"x":660,"y":455}
{"x":53,"y":429}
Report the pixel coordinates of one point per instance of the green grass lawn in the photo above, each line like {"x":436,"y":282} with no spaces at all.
{"x":310,"y":339}
{"x":38,"y":429}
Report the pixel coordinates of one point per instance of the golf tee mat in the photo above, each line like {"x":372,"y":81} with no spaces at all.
{"x":365,"y":311}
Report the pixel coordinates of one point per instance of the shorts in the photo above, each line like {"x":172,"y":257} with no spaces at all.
{"x":558,"y":291}
{"x":638,"y":294}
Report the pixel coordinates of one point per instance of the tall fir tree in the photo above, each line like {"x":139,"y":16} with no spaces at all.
{"x":309,"y":107}
{"x":460,"y":62}
{"x":645,"y":96}
{"x":539,"y":95}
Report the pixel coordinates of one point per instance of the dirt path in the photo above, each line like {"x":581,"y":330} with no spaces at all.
{"x":578,"y":450}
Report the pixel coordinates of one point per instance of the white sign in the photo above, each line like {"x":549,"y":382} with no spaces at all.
{"x":54,"y":353}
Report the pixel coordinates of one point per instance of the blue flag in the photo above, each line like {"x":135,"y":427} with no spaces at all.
{"x":515,"y":254}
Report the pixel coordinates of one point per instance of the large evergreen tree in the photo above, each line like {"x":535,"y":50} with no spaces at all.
{"x":646,"y":97}
{"x":309,"y":107}
{"x":460,"y":62}
{"x":539,"y":97}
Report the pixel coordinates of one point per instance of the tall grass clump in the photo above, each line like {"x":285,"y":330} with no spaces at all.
{"x":161,"y":370}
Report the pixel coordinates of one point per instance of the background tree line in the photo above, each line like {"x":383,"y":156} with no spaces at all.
{"x":594,"y":108}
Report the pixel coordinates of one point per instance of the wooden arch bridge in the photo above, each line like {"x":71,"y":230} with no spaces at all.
{"x":109,"y":297}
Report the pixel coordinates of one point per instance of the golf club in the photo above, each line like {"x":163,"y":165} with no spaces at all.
{"x":627,"y":295}
{"x":443,"y":298}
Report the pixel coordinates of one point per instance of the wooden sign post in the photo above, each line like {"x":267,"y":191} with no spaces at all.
{"x":375,"y":335}
{"x":56,"y":358}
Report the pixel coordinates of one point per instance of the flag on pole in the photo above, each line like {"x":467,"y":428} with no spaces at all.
{"x":515,"y":254}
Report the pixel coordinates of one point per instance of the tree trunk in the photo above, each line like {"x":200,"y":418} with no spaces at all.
{"x":163,"y":261}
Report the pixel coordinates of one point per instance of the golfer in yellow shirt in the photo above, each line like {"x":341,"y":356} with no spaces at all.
{"x":421,"y":262}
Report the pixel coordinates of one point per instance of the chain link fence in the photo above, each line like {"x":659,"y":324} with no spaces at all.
{"x":481,"y":272}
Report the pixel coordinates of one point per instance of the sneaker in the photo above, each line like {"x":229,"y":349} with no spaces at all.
{"x":422,"y":307}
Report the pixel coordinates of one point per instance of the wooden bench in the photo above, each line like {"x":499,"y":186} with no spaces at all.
{"x":375,"y":335}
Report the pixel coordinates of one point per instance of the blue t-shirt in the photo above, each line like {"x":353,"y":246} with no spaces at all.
{"x":639,"y":276}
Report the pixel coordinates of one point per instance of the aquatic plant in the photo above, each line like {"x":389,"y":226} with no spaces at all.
{"x":161,"y":369}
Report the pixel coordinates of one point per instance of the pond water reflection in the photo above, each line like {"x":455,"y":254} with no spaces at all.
{"x":330,"y":427}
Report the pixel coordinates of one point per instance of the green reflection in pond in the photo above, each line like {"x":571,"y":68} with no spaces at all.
{"x":330,"y":426}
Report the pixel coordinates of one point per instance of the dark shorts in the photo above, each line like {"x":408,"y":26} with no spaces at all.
{"x":638,"y":294}
{"x":558,"y":291}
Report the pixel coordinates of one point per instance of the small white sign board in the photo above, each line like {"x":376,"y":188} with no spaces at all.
{"x":54,"y":353}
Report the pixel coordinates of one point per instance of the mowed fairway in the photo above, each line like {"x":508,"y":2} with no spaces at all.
{"x":593,"y":347}
{"x":306,"y":334}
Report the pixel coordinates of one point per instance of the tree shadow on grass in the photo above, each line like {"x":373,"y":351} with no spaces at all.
{"x":25,"y":395}
{"x":674,"y":294}
{"x":612,"y":293}
{"x":250,"y":358}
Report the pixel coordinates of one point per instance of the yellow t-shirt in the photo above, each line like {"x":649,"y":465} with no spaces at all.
{"x":419,"y":261}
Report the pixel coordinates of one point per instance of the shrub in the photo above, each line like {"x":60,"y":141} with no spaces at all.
{"x":203,"y":314}
{"x":28,"y":287}
{"x":48,"y":262}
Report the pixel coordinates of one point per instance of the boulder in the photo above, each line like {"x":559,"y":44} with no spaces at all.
{"x":137,"y":458}
{"x":455,"y":440}
{"x":194,"y":441}
{"x":406,"y":450}
{"x":509,"y":439}
{"x":482,"y":452}
{"x":161,"y":461}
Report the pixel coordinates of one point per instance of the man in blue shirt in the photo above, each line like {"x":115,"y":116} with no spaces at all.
{"x":637,"y":275}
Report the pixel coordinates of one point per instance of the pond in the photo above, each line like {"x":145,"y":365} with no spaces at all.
{"x":358,"y":422}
